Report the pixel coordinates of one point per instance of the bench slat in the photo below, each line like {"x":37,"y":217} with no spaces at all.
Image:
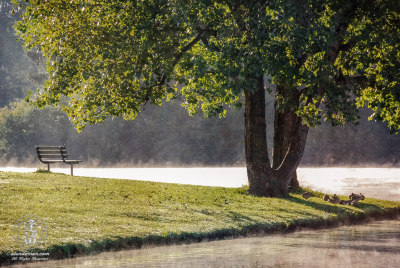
{"x":73,"y":161}
{"x":49,"y":147}
{"x":51,"y":156}
{"x":52,"y":151}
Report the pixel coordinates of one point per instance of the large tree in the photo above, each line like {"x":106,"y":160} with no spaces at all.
{"x":111,"y":57}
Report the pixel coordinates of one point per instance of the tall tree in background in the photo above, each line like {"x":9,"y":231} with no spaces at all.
{"x":16,"y":70}
{"x":113,"y":57}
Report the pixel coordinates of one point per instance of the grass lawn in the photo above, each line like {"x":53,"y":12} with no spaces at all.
{"x":85,"y":215}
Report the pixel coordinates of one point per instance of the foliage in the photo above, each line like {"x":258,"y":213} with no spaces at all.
{"x":23,"y":126}
{"x":111,"y":57}
{"x":119,"y":142}
{"x":87,"y":212}
{"x":196,"y":142}
{"x":17,"y":73}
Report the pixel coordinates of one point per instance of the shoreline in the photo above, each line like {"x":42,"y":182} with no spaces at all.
{"x":194,"y":214}
{"x":134,"y":243}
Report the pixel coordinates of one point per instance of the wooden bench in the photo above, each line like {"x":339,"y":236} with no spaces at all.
{"x":52,"y":154}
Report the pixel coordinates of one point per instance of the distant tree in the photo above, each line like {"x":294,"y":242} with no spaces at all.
{"x":112,"y":57}
{"x":17,"y":73}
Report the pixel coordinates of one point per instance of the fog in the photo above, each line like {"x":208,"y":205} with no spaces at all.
{"x":164,"y":136}
{"x":167,"y":136}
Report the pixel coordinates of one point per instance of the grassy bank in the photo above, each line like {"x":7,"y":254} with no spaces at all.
{"x":87,"y":215}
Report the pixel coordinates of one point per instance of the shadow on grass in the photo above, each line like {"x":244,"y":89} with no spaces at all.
{"x":342,"y":211}
{"x":43,"y":171}
{"x":252,"y":227}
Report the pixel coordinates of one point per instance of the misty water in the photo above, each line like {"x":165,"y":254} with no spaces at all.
{"x":373,"y":245}
{"x":376,"y":244}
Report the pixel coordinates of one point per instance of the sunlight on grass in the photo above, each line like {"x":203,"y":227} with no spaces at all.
{"x":85,"y":211}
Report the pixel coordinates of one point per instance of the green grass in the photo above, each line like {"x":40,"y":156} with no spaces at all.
{"x":93,"y":214}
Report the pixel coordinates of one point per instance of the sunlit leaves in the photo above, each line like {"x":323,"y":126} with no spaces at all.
{"x":112,"y":57}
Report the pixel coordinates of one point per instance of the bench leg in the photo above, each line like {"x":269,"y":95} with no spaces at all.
{"x":72,"y":170}
{"x":48,"y":167}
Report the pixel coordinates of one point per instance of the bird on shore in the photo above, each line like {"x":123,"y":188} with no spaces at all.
{"x":342,"y":202}
{"x":356,"y":197}
{"x":354,"y":203}
{"x":335,"y":199}
{"x":305,"y":195}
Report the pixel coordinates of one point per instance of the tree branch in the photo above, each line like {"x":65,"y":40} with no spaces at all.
{"x":188,"y":46}
{"x":346,"y":47}
{"x":357,"y":79}
{"x":303,"y":58}
{"x":207,"y":44}
{"x":340,"y":32}
{"x":176,"y":60}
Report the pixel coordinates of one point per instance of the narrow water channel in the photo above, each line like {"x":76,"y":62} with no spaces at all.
{"x":373,"y":245}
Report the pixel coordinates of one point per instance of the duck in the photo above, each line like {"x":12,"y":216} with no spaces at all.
{"x":353,"y":196}
{"x":354,"y":203}
{"x":326,"y":197}
{"x":335,"y":199}
{"x":356,"y":197}
{"x":305,"y":195}
{"x":342,"y":202}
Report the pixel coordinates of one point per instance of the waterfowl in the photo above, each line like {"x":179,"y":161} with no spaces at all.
{"x":342,"y":202}
{"x":334,"y":199}
{"x":354,"y":203}
{"x":356,"y":197}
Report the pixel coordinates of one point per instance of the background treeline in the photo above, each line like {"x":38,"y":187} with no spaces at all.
{"x":160,"y":136}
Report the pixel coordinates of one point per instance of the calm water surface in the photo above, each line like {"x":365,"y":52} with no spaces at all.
{"x":373,"y":245}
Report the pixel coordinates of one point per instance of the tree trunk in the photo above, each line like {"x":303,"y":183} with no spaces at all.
{"x":283,"y":126}
{"x":265,"y":180}
{"x":294,"y":183}
{"x":257,"y":161}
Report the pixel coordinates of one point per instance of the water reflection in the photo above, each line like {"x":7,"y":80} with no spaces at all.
{"x":373,"y":245}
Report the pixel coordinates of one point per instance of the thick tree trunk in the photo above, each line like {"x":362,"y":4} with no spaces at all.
{"x":265,"y":180}
{"x":257,"y":161}
{"x":284,"y":124}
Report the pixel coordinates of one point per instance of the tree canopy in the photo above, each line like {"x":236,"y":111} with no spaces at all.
{"x":111,"y":57}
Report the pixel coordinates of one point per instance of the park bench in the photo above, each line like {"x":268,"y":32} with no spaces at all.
{"x":52,"y":154}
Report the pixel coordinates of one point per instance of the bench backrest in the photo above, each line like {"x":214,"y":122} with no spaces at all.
{"x":51,"y":152}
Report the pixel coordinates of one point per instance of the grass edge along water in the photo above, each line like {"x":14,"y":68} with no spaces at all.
{"x":86,"y":215}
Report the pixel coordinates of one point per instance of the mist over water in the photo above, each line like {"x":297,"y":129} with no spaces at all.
{"x":373,"y":245}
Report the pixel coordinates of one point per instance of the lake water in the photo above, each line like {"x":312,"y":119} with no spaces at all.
{"x":373,"y":245}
